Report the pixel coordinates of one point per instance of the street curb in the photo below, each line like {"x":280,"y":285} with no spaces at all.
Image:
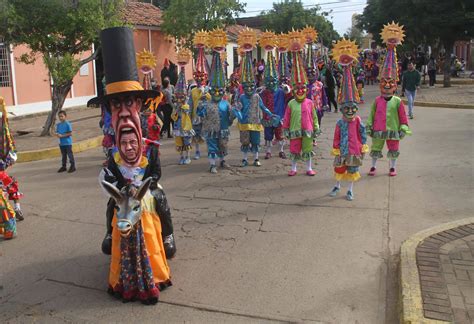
{"x":440,"y":105}
{"x":411,"y":303}
{"x":35,"y":155}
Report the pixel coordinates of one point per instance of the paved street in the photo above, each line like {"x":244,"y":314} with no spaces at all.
{"x":253,"y":244}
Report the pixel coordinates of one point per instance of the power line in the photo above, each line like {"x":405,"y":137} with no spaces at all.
{"x":317,"y":5}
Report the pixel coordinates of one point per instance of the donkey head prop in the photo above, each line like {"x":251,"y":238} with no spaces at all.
{"x":128,"y":206}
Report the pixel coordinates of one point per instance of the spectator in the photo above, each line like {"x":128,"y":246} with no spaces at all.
{"x":331,"y":88}
{"x":165,"y":72}
{"x":432,"y":70}
{"x":411,"y":83}
{"x":167,"y":107}
{"x":64,"y":133}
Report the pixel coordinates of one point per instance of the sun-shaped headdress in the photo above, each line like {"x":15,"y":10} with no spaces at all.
{"x":310,"y":34}
{"x":218,"y":41}
{"x":345,"y":52}
{"x":247,"y":40}
{"x":183,"y":57}
{"x":297,"y":40}
{"x":268,"y":40}
{"x":298,"y":71}
{"x":392,"y":35}
{"x":201,"y":67}
{"x":146,"y":61}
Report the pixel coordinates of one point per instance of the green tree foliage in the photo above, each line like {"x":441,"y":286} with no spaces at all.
{"x":162,"y":4}
{"x":59,"y":30}
{"x":289,"y":14}
{"x":426,"y":22}
{"x":184,"y":17}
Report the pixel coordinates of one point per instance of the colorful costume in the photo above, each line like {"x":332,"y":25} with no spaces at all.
{"x":8,"y":184}
{"x":138,"y":211}
{"x":183,"y":127}
{"x":200,"y":74}
{"x":300,"y":123}
{"x":349,"y":144}
{"x":273,"y":97}
{"x":216,"y":113}
{"x":387,"y":120}
{"x":250,"y":108}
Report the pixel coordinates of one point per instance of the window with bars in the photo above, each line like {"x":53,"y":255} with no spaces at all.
{"x":5,"y":74}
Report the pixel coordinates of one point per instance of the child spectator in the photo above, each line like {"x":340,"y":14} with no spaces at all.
{"x":64,"y":133}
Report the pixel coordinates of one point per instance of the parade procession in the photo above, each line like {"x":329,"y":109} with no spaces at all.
{"x":232,"y":170}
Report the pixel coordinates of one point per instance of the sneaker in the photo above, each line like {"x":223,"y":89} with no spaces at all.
{"x":372,"y":171}
{"x":107,"y":244}
{"x":19,"y":215}
{"x":291,"y":173}
{"x":72,"y":168}
{"x":282,"y":155}
{"x":62,"y":169}
{"x":311,"y":173}
{"x":244,"y":163}
{"x":392,"y":172}
{"x":257,"y":163}
{"x":334,"y":192}
{"x":186,"y":161}
{"x":181,"y":161}
{"x":268,"y":155}
{"x":410,"y":116}
{"x":197,"y":156}
{"x":213,"y":169}
{"x":170,"y":246}
{"x":349,"y":196}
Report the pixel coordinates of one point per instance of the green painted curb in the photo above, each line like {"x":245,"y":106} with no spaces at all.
{"x":411,"y":303}
{"x":35,"y":155}
{"x":440,"y":105}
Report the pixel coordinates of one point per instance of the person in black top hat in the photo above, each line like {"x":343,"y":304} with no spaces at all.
{"x":126,"y":164}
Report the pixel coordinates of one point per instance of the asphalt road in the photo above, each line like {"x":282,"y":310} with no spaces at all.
{"x":253,"y":244}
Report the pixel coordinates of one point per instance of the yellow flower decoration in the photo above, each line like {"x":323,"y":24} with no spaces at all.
{"x":345,"y":51}
{"x":310,"y":34}
{"x":218,"y":40}
{"x":201,"y":39}
{"x":183,"y":56}
{"x":392,"y":34}
{"x":146,"y":61}
{"x":268,"y":40}
{"x":283,"y":43}
{"x":247,"y":39}
{"x":297,"y":40}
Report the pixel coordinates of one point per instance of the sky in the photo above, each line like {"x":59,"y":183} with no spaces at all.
{"x":341,"y":16}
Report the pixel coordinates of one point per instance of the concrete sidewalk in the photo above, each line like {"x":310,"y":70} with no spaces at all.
{"x":457,"y":96}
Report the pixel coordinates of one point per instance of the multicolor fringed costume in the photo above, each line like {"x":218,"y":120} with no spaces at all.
{"x":201,"y":68}
{"x":349,"y":144}
{"x":183,"y":127}
{"x":250,"y":108}
{"x":273,"y":97}
{"x":9,"y":184}
{"x":216,"y":113}
{"x":300,"y":124}
{"x":387,"y":120}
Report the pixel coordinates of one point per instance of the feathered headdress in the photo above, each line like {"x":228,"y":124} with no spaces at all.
{"x":201,"y":67}
{"x":345,"y":52}
{"x":218,"y":41}
{"x":298,"y":72}
{"x":247,"y":39}
{"x":392,"y":35}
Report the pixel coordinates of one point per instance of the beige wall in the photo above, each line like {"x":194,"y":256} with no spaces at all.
{"x":32,"y":80}
{"x":84,"y":84}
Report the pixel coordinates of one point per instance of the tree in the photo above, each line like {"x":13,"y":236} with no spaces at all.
{"x":442,"y":22}
{"x":162,"y":4}
{"x":58,"y":30}
{"x":289,"y":14}
{"x":355,"y":34}
{"x":184,"y":17}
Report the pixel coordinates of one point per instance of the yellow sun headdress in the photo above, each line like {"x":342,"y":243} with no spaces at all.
{"x":310,"y":34}
{"x":392,"y":35}
{"x":247,"y":39}
{"x":146,"y":61}
{"x":201,"y":67}
{"x":345,"y":52}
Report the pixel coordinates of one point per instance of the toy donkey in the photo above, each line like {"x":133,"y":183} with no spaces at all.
{"x":138,"y":268}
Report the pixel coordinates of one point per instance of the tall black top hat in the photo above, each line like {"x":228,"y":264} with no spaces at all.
{"x":121,"y":76}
